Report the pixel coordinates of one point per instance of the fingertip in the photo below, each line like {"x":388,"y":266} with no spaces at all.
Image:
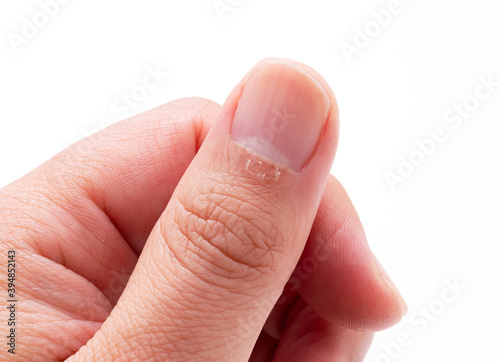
{"x":348,"y":285}
{"x":390,"y":286}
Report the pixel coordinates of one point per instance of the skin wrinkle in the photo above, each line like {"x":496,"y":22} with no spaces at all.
{"x":220,"y":207}
{"x":217,"y":304}
{"x":234,"y":200}
{"x":165,"y":119}
{"x":97,"y":212}
{"x":184,"y":213}
{"x":210,"y":261}
{"x":168,"y":280}
{"x":33,"y":207}
{"x":13,"y":230}
{"x":101,"y":205}
{"x":61,"y":350}
{"x":59,"y":307}
{"x":98,"y":263}
{"x":131,"y":349}
{"x":344,"y":217}
{"x":179,"y":260}
{"x":199,"y":121}
{"x":60,"y":205}
{"x":155,"y":332}
{"x":181,"y":334}
{"x":69,"y":329}
{"x":64,"y":311}
{"x":182,"y":263}
{"x":206,"y":283}
{"x":342,"y":226}
{"x":166,"y":276}
{"x":167,"y":143}
{"x":65,"y":202}
{"x":208,"y":258}
{"x":200,"y":313}
{"x":262,"y":194}
{"x":40,"y":326}
{"x":56,"y":347}
{"x":236,"y":189}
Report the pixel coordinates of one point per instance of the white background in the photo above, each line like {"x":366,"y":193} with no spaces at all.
{"x":439,"y":226}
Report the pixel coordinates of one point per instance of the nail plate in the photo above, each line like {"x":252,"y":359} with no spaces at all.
{"x":281,"y":114}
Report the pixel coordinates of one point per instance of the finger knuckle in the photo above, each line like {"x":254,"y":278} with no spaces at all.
{"x":226,"y":229}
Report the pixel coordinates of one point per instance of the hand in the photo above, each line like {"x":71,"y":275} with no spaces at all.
{"x":195,"y":232}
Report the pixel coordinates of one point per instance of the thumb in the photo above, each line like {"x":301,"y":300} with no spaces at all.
{"x":220,"y":255}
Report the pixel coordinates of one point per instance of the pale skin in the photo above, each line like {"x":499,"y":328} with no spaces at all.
{"x":159,"y":239}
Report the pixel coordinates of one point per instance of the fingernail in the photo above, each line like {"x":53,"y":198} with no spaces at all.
{"x":281,"y":114}
{"x":390,"y":284}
